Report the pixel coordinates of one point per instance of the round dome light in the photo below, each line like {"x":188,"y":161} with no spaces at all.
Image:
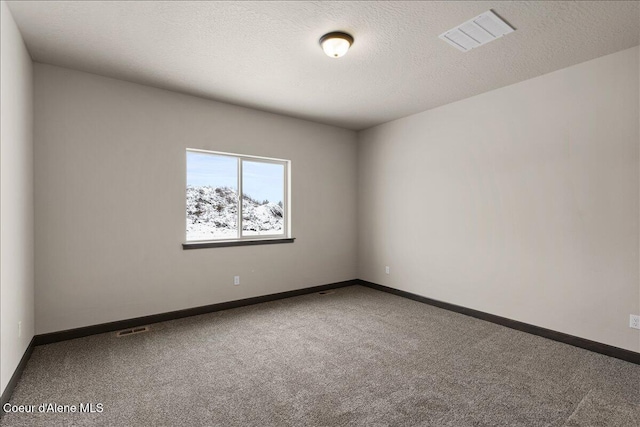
{"x":336,"y":44}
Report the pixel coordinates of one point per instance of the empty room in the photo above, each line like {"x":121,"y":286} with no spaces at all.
{"x":320,"y":213}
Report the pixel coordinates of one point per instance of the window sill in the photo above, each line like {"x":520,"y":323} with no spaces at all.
{"x":228,"y":243}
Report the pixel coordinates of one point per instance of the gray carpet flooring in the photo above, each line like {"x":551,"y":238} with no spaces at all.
{"x":353,"y":357}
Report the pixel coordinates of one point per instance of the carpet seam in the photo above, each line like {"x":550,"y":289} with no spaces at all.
{"x":583,"y":400}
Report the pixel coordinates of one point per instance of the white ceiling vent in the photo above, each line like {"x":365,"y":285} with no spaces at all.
{"x":477,"y":31}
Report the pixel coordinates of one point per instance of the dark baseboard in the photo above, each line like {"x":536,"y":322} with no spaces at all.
{"x":8,"y":391}
{"x":70,"y":334}
{"x":619,"y":353}
{"x":608,"y":350}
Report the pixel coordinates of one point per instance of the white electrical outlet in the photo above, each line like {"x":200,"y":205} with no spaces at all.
{"x":386,"y":269}
{"x":19,"y":328}
{"x":634,"y":321}
{"x":236,"y":280}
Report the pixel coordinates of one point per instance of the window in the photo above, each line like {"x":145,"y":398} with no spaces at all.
{"x":215,"y":212}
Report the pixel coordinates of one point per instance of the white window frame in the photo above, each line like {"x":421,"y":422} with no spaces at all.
{"x":286,"y":209}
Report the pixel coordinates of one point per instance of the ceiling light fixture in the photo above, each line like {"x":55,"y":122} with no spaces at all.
{"x":336,"y":44}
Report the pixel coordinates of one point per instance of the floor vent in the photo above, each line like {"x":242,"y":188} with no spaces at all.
{"x":132,"y":331}
{"x":326,"y":292}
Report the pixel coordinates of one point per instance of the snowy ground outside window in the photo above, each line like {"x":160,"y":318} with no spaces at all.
{"x":212,"y":213}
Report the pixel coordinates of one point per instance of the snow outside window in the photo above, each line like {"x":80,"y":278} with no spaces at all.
{"x":215,"y":211}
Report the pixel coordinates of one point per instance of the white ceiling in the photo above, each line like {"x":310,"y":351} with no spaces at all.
{"x":265,"y":55}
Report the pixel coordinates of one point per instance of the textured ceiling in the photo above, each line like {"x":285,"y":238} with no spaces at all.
{"x":266,"y":55}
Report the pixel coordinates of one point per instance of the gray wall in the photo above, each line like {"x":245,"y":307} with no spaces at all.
{"x":110,"y":201}
{"x":521,"y":202}
{"x":16,"y":198}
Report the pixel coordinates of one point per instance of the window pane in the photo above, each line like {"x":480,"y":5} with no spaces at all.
{"x":212,"y":196}
{"x":262,"y":198}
